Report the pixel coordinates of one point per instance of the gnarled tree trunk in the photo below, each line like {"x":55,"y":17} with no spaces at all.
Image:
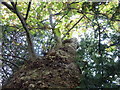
{"x":55,"y":70}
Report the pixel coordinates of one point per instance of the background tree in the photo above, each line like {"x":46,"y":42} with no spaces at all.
{"x":33,"y":29}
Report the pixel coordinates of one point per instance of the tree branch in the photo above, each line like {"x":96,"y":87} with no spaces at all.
{"x":30,"y":44}
{"x":9,"y":62}
{"x":24,"y":24}
{"x":28,"y":9}
{"x":13,"y":56}
{"x":62,"y":17}
{"x":51,"y":18}
{"x":9,"y":6}
{"x":6,"y":74}
{"x":13,"y":4}
{"x":57,"y":38}
{"x":72,"y":27}
{"x":115,"y":44}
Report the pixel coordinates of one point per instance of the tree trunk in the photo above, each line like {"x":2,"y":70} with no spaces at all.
{"x":55,"y":70}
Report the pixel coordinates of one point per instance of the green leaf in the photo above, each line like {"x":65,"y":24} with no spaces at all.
{"x":57,"y":32}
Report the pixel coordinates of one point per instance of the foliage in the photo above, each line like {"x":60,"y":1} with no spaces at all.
{"x":99,"y":70}
{"x":94,"y":23}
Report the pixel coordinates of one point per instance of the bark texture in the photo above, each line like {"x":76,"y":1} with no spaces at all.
{"x":55,"y":70}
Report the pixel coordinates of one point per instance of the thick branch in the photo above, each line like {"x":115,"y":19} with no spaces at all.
{"x":30,"y":44}
{"x":12,"y":3}
{"x":57,"y":38}
{"x":24,"y":24}
{"x":9,"y":6}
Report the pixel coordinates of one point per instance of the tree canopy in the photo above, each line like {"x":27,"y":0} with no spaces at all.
{"x":30,"y":30}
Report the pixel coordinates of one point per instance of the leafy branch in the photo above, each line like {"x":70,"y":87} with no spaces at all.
{"x":14,"y":9}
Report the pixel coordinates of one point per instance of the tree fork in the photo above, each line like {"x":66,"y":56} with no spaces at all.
{"x":24,"y":24}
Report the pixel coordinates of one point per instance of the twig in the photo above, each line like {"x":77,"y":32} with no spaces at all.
{"x":62,"y":17}
{"x":73,"y":27}
{"x":118,"y":43}
{"x":9,"y":62}
{"x":6,"y":74}
{"x":28,"y":9}
{"x":13,"y":56}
